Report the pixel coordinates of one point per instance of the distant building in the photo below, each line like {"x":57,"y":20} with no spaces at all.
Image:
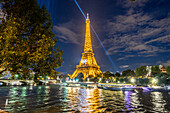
{"x":148,"y":69}
{"x":1,"y":15}
{"x":162,"y":68}
{"x":6,"y":75}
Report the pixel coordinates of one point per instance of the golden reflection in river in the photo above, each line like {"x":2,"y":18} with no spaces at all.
{"x":84,"y":100}
{"x":158,"y":101}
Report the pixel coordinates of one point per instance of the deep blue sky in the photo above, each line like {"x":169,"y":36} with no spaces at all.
{"x":133,"y":33}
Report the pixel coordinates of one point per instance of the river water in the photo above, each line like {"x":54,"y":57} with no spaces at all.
{"x":59,"y":99}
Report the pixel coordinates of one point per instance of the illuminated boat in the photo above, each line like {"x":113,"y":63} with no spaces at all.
{"x":113,"y":88}
{"x":155,"y":88}
{"x":128,"y":88}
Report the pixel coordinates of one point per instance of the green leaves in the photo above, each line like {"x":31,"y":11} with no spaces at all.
{"x":141,"y":71}
{"x":155,"y":70}
{"x":128,"y":72}
{"x":168,"y":69}
{"x":27,"y":41}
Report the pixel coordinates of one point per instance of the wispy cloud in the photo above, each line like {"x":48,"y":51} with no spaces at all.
{"x":135,"y":31}
{"x":163,"y":39}
{"x":125,"y":57}
{"x":124,"y":66}
{"x":67,"y":33}
{"x":128,"y":3}
{"x":167,"y":63}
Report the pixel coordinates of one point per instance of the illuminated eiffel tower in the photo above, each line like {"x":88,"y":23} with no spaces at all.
{"x":88,"y":65}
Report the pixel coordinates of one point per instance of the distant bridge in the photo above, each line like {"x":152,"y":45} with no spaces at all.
{"x":20,"y":82}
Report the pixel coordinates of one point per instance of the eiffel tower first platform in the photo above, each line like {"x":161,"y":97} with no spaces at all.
{"x":88,"y":65}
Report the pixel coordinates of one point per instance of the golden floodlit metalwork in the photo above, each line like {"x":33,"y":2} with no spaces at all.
{"x":88,"y":65}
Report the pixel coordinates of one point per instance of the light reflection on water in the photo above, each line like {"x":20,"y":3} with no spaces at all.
{"x":158,"y":101}
{"x":53,"y":99}
{"x":84,"y":100}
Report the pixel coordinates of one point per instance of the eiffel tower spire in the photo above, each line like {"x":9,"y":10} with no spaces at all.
{"x":88,"y":65}
{"x":88,"y":44}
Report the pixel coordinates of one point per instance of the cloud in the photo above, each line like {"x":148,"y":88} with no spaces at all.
{"x":125,"y":57}
{"x":163,"y":39}
{"x":66,"y":35}
{"x":69,"y":32}
{"x":124,"y":66}
{"x":167,"y":63}
{"x":136,"y":31}
{"x":128,"y":3}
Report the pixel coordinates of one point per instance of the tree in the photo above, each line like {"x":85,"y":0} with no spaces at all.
{"x":107,"y":74}
{"x":161,"y":75}
{"x":117,"y":74}
{"x":155,"y":70}
{"x":146,"y":81}
{"x":128,"y":72}
{"x":168,"y":69}
{"x":27,"y":43}
{"x":141,"y":71}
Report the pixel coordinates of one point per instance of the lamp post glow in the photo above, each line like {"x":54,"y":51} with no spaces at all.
{"x":154,"y":81}
{"x":88,"y":79}
{"x":132,"y":80}
{"x":100,"y":79}
{"x":16,"y":75}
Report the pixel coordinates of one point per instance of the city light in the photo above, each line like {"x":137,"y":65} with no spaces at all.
{"x":88,"y":79}
{"x":132,"y":80}
{"x":154,"y":81}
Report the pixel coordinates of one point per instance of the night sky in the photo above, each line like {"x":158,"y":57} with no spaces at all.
{"x":133,"y":33}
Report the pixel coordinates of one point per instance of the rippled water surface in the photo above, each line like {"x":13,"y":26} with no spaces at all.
{"x":54,"y":99}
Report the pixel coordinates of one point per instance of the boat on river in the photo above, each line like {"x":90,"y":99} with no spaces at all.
{"x":155,"y":89}
{"x":113,"y":88}
{"x":128,"y":89}
{"x":116,"y":87}
{"x":100,"y":87}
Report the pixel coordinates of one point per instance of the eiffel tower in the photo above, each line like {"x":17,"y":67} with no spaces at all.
{"x":88,"y":65}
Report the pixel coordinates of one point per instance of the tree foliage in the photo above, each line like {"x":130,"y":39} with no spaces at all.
{"x":128,"y":72}
{"x":155,"y":70}
{"x":107,"y":74}
{"x":168,"y":69}
{"x":141,"y":71}
{"x":117,"y":74}
{"x":27,"y":43}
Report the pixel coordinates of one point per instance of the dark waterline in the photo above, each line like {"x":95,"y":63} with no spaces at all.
{"x":53,"y":99}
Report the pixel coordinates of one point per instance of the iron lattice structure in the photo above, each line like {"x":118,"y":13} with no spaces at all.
{"x":88,"y":65}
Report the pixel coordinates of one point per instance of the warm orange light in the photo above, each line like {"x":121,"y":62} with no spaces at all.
{"x":88,"y":65}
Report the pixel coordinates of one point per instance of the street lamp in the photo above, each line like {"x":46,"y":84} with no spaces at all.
{"x":88,"y":79}
{"x":154,"y":81}
{"x":132,"y":80}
